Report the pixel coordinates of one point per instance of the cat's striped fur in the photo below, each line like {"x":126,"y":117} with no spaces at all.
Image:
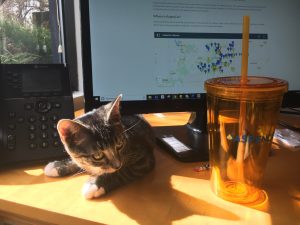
{"x":114,"y":150}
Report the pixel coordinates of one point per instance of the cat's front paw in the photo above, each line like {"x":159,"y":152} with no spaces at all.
{"x":51,"y":170}
{"x":61,"y":168}
{"x":91,"y":190}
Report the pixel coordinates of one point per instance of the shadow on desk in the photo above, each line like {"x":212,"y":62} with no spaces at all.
{"x":159,"y":199}
{"x":172,"y":193}
{"x":282,"y":184}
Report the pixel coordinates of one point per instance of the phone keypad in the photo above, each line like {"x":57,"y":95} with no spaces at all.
{"x":40,"y":120}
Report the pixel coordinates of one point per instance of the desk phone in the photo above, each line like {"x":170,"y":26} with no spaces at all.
{"x":33,"y":98}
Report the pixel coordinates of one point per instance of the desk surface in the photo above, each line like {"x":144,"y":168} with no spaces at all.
{"x":171,"y":194}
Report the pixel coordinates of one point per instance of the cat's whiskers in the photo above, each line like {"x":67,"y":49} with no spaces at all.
{"x":130,"y":157}
{"x":129,"y":128}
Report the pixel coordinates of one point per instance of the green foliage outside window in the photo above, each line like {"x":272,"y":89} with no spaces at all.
{"x":19,"y":44}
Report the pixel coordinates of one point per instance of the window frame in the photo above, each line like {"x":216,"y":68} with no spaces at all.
{"x":72,"y":45}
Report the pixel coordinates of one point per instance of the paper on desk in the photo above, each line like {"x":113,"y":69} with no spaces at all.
{"x":288,"y":137}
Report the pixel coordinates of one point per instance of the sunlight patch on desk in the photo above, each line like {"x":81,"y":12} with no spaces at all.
{"x":159,"y":115}
{"x":208,"y":207}
{"x":196,"y":219}
{"x":182,"y":183}
{"x":34,"y":172}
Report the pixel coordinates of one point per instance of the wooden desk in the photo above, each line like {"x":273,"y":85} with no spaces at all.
{"x":172,"y":194}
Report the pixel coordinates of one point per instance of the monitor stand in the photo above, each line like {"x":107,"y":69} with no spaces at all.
{"x":193,"y":135}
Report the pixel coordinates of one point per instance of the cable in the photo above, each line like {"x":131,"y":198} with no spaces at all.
{"x":59,"y":50}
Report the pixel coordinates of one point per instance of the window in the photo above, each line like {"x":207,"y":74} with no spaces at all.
{"x":42,"y":32}
{"x":30,"y":32}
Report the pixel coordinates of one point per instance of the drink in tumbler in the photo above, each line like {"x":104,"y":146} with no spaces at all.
{"x":241,"y":122}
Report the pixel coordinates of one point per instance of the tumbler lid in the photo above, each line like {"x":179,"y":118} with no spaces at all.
{"x":255,"y":88}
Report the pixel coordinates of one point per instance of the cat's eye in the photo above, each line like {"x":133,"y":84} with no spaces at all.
{"x":98,"y":156}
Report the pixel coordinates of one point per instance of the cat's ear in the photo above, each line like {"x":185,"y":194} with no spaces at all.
{"x":69,"y":129}
{"x":113,"y":109}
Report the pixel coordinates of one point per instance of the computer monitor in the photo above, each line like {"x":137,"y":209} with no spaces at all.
{"x":159,"y":53}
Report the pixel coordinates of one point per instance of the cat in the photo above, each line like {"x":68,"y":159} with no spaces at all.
{"x":113,"y":149}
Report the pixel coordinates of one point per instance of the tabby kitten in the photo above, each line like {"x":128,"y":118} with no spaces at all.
{"x":114,"y":150}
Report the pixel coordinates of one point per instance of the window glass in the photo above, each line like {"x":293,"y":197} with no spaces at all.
{"x":30,"y":32}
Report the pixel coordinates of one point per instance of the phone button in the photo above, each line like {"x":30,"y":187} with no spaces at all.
{"x":11,"y":115}
{"x":43,"y":107}
{"x":32,"y":127}
{"x":28,"y":106}
{"x":32,"y":136}
{"x":32,"y":145}
{"x":11,"y":138}
{"x":44,"y":126}
{"x":44,"y":135}
{"x":32,"y":119}
{"x":55,"y":134}
{"x":44,"y":144}
{"x":11,"y":146}
{"x":21,"y":119}
{"x":56,"y":143}
{"x":54,"y":118}
{"x":43,"y":118}
{"x":12,"y":126}
{"x":57,"y":105}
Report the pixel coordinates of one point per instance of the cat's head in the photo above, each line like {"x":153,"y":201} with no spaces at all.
{"x":96,"y":140}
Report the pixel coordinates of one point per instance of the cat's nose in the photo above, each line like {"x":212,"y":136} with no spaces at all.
{"x":116,"y":165}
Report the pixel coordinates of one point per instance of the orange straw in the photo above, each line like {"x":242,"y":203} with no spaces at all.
{"x":241,"y":154}
{"x":245,"y":49}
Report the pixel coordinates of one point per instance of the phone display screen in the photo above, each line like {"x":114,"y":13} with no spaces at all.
{"x":41,"y":80}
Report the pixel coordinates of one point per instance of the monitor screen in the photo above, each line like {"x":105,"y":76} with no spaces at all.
{"x":159,"y":53}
